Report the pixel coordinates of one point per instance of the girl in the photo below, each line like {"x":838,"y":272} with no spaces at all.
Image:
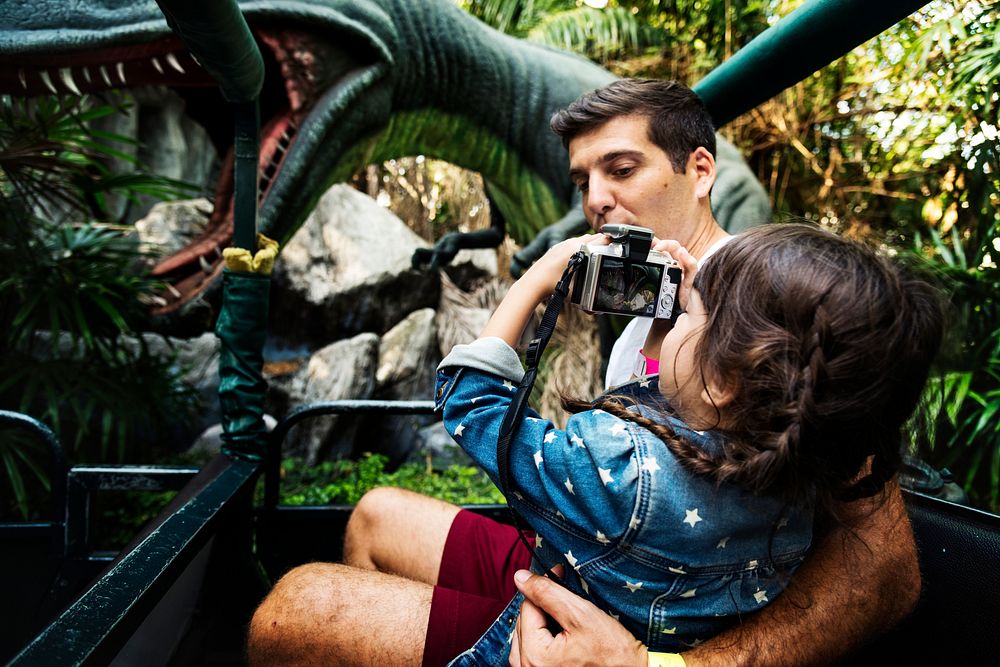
{"x":682,"y":501}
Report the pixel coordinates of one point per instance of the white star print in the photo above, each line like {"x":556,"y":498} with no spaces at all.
{"x":517,"y":494}
{"x":508,"y":385}
{"x":692,"y":644}
{"x":560,"y":514}
{"x":475,"y":398}
{"x":614,"y":616}
{"x":677,"y":570}
{"x":688,"y":593}
{"x":618,"y":428}
{"x":644,"y":383}
{"x":722,"y":542}
{"x":458,"y":430}
{"x":633,"y":522}
{"x":533,"y":419}
{"x":751,"y":565}
{"x":606,"y":475}
{"x":538,"y":459}
{"x":691,"y":517}
{"x":586,"y":587}
{"x":570,"y":558}
{"x":599,"y":412}
{"x":760,"y":596}
{"x":550,"y":436}
{"x":632,"y":588}
{"x":577,"y":440}
{"x":669,"y":631}
{"x":782,"y":523}
{"x":538,"y":541}
{"x":569,"y":486}
{"x":650,"y":464}
{"x":602,"y":538}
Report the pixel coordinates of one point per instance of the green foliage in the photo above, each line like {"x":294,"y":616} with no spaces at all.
{"x":71,"y":289}
{"x":345,"y":481}
{"x":51,"y":158}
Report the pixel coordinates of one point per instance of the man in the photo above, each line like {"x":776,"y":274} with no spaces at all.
{"x":422,"y":578}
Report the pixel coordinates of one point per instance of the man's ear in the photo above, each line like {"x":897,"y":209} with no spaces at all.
{"x":704,"y":171}
{"x":719,"y":393}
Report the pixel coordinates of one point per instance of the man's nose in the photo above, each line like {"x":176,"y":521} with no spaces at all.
{"x":600,"y":197}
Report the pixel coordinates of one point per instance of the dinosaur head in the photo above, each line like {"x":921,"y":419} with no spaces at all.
{"x":91,"y":48}
{"x":348,"y":82}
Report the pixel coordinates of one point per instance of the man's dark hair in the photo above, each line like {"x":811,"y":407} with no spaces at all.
{"x":678,"y":120}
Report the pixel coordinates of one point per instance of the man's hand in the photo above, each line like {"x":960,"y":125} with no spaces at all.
{"x":589,"y":637}
{"x":689,"y":267}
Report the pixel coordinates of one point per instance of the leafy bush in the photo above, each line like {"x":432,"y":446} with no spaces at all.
{"x":72,"y":287}
{"x":345,"y":481}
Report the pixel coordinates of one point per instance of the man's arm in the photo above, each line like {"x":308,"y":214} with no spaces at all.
{"x":852,"y":587}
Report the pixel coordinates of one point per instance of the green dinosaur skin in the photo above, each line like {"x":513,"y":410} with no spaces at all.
{"x":368,"y":80}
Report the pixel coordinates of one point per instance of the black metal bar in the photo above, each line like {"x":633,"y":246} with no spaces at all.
{"x":246,"y":119}
{"x":83,"y":481}
{"x":132,"y":477}
{"x":95,"y":627}
{"x":272,"y":479}
{"x":811,"y":37}
{"x":57,"y":471}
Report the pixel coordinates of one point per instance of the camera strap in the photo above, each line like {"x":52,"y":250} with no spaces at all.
{"x":515,"y":411}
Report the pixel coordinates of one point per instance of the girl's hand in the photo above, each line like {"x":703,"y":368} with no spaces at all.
{"x":689,"y":266}
{"x":536,"y":285}
{"x":546,"y":272}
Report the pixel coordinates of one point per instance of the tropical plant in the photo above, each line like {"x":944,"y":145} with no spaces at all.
{"x":345,"y":481}
{"x":72,"y":288}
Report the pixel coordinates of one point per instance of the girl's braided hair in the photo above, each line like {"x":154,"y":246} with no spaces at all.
{"x":828,"y":346}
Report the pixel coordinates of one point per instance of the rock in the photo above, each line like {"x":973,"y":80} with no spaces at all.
{"x":347,"y":270}
{"x":170,"y":226}
{"x":342,"y":370}
{"x":408,"y":359}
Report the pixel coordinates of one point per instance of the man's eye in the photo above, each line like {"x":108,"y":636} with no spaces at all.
{"x":623,"y":171}
{"x":581,"y":186}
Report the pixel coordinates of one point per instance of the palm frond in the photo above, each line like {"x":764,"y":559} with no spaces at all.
{"x":594,"y":33}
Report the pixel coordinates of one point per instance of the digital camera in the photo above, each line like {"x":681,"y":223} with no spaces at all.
{"x":627,"y":277}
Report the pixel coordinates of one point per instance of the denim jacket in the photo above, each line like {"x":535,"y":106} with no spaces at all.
{"x":675,"y":558}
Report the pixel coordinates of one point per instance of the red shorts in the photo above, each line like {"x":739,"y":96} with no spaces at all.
{"x":475,"y":584}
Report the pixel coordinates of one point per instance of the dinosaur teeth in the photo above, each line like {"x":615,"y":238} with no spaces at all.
{"x":120,"y":67}
{"x":66,"y":74}
{"x":206,"y":268}
{"x":174,"y":291}
{"x":86,"y":75}
{"x":105,"y":76}
{"x":47,"y":80}
{"x":23,"y":78}
{"x":173,"y":62}
{"x":157,"y":65}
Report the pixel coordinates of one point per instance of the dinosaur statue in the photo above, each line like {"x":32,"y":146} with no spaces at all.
{"x":348,"y":83}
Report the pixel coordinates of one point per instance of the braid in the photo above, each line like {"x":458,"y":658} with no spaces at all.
{"x":695,"y":459}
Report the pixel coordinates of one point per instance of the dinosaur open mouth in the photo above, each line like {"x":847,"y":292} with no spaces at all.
{"x":292,"y":78}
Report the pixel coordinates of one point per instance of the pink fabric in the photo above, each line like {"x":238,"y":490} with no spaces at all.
{"x":652,"y":365}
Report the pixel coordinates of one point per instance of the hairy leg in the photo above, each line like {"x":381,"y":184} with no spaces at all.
{"x":399,"y":532}
{"x":327,"y":614}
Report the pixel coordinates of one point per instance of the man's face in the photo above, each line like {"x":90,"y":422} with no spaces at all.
{"x":627,"y":179}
